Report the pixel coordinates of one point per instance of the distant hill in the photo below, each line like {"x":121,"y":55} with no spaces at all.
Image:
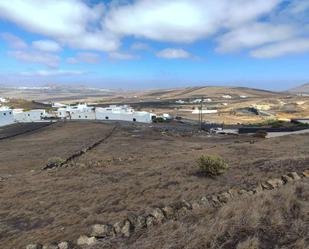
{"x":301,"y":89}
{"x":206,"y":91}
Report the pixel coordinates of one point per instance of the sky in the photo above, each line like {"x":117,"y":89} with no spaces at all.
{"x":140,"y":44}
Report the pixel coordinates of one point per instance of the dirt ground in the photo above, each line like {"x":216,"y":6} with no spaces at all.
{"x":138,"y":167}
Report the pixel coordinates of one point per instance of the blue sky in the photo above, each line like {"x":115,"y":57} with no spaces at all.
{"x":155,"y":43}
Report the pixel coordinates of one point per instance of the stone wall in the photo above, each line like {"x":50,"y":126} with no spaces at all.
{"x":136,"y":223}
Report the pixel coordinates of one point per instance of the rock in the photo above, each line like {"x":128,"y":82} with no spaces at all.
{"x":186,"y":204}
{"x":150,"y":221}
{"x":204,"y":201}
{"x":101,"y":230}
{"x":306,"y":173}
{"x":233,"y":192}
{"x":224,"y":197}
{"x":258,"y":189}
{"x":214,"y":200}
{"x":127,"y":229}
{"x":140,"y":222}
{"x":274,"y":183}
{"x":195,"y":205}
{"x":85,"y":240}
{"x":158,"y":215}
{"x":51,"y":246}
{"x":183,"y":211}
{"x":169,"y":212}
{"x":294,"y":176}
{"x":65,"y":245}
{"x":286,"y":179}
{"x":243,"y":192}
{"x":267,"y":186}
{"x":34,"y":246}
{"x":118,"y":227}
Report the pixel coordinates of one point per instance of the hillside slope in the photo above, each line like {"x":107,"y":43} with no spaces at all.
{"x":301,"y":89}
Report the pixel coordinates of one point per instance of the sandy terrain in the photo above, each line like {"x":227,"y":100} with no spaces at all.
{"x":138,"y":167}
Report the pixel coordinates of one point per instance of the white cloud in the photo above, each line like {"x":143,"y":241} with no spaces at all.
{"x":183,"y":20}
{"x":14,"y":41}
{"x":84,"y":58}
{"x":173,"y":53}
{"x":253,"y":35}
{"x":71,"y":22}
{"x":47,"y":46}
{"x":47,"y":59}
{"x":140,"y":46}
{"x":282,"y":48}
{"x":121,"y":56}
{"x":46,"y":73}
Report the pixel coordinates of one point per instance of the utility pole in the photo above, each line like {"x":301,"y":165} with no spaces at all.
{"x":201,"y":114}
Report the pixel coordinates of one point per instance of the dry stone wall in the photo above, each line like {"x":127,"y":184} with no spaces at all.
{"x":136,"y":223}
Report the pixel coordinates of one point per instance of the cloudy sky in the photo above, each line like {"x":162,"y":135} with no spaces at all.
{"x":155,"y":43}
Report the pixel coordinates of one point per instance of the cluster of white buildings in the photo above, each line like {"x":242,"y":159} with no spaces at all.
{"x":113,"y":112}
{"x":77,"y":112}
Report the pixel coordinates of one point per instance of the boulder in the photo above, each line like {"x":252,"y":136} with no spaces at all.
{"x":34,"y":246}
{"x":204,"y":201}
{"x":85,"y":240}
{"x":101,"y":230}
{"x":294,"y":176}
{"x":150,"y":221}
{"x":65,"y":245}
{"x":224,"y":197}
{"x":140,"y":222}
{"x":168,"y":212}
{"x":118,"y":227}
{"x":186,"y":204}
{"x":127,"y":229}
{"x":233,"y":192}
{"x":274,"y":183}
{"x":157,"y":213}
{"x":214,"y":200}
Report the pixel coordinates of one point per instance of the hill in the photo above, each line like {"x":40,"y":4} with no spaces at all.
{"x":301,"y":89}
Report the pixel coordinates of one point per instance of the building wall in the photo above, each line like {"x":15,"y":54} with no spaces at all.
{"x":29,"y":116}
{"x":83,"y":115}
{"x":6,"y":117}
{"x":142,"y":117}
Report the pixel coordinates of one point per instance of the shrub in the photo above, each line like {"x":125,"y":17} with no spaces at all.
{"x":54,"y":162}
{"x":212,"y":165}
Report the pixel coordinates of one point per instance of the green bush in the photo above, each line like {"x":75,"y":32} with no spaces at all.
{"x":212,"y":165}
{"x":55,"y":162}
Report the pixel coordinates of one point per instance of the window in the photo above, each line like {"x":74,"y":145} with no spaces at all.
{"x":4,"y":114}
{"x":41,"y":113}
{"x":28,"y":115}
{"x":134,"y":119}
{"x":10,"y":113}
{"x":86,"y":116}
{"x":79,"y":116}
{"x":106,"y":118}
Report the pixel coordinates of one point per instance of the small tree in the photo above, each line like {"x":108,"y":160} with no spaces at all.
{"x":212,"y":165}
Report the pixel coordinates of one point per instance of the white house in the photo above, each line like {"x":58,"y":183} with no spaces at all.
{"x":3,"y":100}
{"x":226,"y":96}
{"x":22,"y":116}
{"x":124,"y":113}
{"x":80,"y":111}
{"x":204,"y":111}
{"x":6,"y":116}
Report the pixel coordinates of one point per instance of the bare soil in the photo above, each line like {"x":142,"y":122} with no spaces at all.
{"x":138,"y":167}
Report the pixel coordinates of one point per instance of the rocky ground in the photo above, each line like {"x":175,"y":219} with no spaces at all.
{"x":136,"y":168}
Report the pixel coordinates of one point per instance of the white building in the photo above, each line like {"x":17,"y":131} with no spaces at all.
{"x":226,"y":96}
{"x":80,"y":111}
{"x":124,"y":113}
{"x":204,"y":111}
{"x":179,"y":101}
{"x":22,"y":116}
{"x":3,"y":100}
{"x":6,"y":116}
